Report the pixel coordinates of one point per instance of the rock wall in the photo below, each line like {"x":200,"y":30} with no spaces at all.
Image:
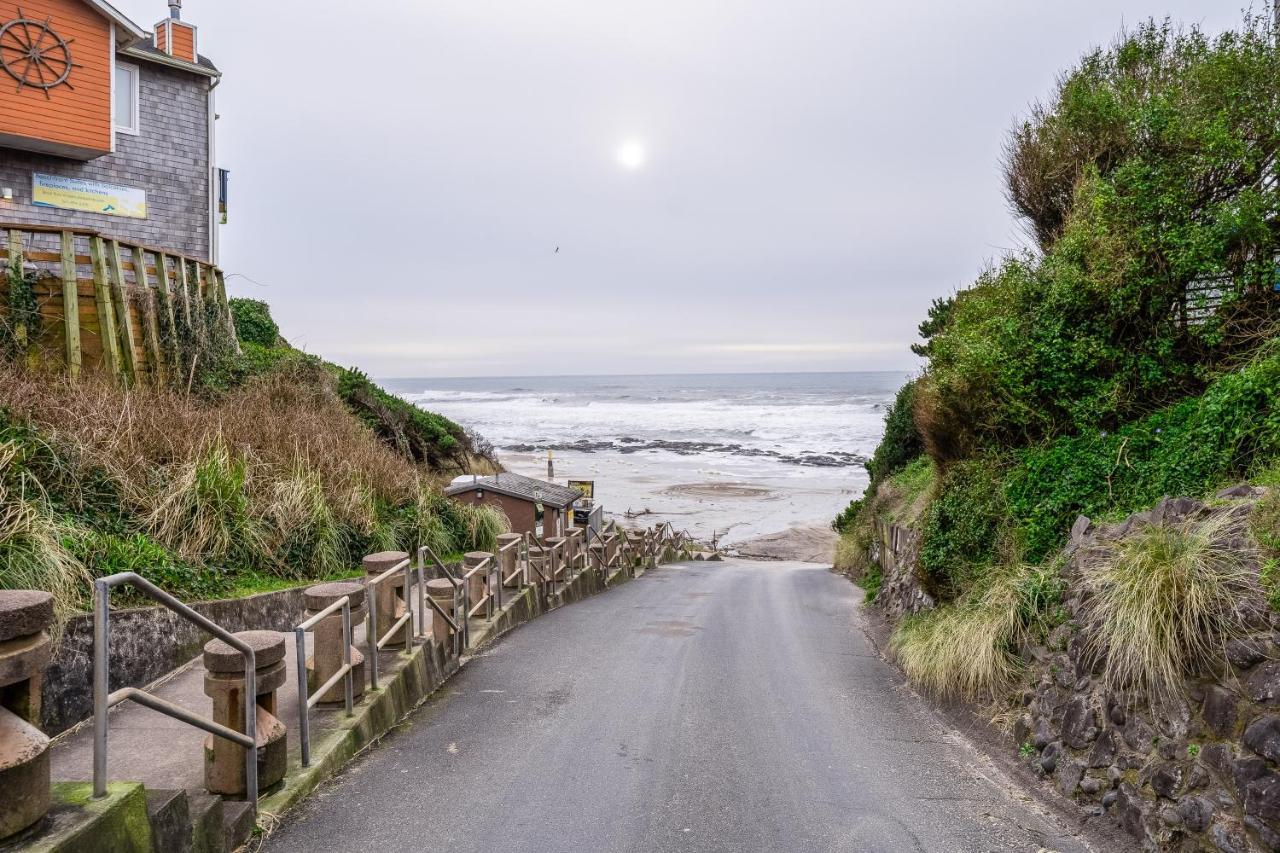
{"x":1197,"y":770}
{"x":896,"y":550}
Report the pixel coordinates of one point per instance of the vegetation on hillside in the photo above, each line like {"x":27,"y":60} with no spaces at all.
{"x":1133,"y":353}
{"x":267,"y":472}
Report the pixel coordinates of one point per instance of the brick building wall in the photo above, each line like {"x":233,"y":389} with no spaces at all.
{"x":169,"y":159}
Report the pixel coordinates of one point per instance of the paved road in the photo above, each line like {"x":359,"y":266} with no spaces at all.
{"x":703,"y":707}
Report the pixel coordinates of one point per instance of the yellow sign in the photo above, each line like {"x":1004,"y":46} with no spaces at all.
{"x":587,"y":487}
{"x":90,"y":196}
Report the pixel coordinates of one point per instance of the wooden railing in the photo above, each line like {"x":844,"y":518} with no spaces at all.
{"x":137,"y":312}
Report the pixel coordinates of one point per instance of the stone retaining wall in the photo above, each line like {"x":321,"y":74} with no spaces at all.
{"x":1196,"y":770}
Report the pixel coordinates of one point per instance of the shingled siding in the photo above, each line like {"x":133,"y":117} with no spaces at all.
{"x":168,"y":159}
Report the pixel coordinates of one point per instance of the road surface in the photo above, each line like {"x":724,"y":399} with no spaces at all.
{"x":702,"y":707}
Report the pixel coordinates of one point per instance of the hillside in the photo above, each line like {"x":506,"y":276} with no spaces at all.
{"x":272,"y":467}
{"x":1017,"y":532}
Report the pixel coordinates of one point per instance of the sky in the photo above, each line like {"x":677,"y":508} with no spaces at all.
{"x":731,"y":186}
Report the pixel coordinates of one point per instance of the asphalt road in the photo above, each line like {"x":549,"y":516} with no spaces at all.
{"x":703,"y":707}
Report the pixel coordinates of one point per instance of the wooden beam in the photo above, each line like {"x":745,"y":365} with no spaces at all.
{"x":186,"y":293}
{"x":120,"y":296}
{"x":151,"y":318}
{"x":70,"y":304}
{"x":102,"y":300}
{"x":231,"y":320}
{"x":166,"y":295}
{"x":20,"y":331}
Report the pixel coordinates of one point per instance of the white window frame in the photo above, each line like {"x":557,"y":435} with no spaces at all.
{"x":136,"y":73}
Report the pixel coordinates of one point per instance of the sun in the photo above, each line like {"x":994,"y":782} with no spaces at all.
{"x":631,"y":155}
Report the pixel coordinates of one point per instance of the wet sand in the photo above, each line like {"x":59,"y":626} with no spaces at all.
{"x":806,"y":543}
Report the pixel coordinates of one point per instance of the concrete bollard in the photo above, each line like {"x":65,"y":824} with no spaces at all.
{"x":537,"y":562}
{"x":573,"y":547}
{"x":224,"y":684}
{"x":440,"y":590}
{"x":389,"y":597}
{"x":555,"y":557}
{"x":327,"y":649}
{"x":25,"y":649}
{"x":507,"y":559}
{"x":476,"y":585}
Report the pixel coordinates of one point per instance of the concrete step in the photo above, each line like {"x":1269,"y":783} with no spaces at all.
{"x":206,"y":822}
{"x":237,"y":823}
{"x":170,"y":821}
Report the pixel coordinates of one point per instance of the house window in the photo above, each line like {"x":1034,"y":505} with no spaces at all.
{"x":125,"y":106}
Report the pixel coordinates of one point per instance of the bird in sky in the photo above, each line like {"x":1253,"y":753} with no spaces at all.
{"x":557,"y":250}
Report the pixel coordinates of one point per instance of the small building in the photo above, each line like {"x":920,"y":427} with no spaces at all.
{"x":532,"y":506}
{"x":108,"y":127}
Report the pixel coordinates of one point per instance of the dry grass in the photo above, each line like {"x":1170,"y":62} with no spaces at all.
{"x":968,"y":649}
{"x":32,"y":555}
{"x":1166,"y":600}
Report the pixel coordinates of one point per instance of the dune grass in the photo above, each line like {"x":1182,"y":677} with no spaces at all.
{"x":967,"y":649}
{"x":1166,"y":600}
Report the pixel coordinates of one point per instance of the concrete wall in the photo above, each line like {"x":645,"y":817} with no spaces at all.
{"x":147,"y":643}
{"x":169,"y":159}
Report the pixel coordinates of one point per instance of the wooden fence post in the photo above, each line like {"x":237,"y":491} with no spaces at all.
{"x":71,"y":304}
{"x":123,"y":327}
{"x":102,"y":301}
{"x":20,"y":331}
{"x":150,"y":320}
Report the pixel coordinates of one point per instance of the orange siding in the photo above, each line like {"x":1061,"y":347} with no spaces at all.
{"x":184,"y":42}
{"x":79,"y":117}
{"x":161,"y":34}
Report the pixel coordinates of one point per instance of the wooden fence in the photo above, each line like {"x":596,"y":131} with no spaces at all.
{"x":139,"y":313}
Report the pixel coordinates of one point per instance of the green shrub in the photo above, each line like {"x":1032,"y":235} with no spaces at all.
{"x":1185,"y":449}
{"x":871,"y":581}
{"x":964,"y":528}
{"x":107,"y":554}
{"x":901,"y":442}
{"x":254,"y":324}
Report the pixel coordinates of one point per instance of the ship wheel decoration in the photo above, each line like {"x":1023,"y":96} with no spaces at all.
{"x":35,"y":55}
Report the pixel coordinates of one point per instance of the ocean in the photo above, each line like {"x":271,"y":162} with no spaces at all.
{"x":731,"y":455}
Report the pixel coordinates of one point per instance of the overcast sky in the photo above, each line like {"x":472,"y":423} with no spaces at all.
{"x":733,"y":186}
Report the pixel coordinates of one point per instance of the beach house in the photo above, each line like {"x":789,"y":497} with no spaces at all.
{"x":109,"y":127}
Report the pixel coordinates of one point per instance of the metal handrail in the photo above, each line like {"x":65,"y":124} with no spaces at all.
{"x":487,"y":600}
{"x":460,"y":636}
{"x":375,"y":641}
{"x":102,"y":700}
{"x":305,"y":700}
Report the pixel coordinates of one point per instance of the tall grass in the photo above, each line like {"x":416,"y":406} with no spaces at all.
{"x":305,"y":537}
{"x":1167,"y":599}
{"x":967,"y":649}
{"x":481,"y":526}
{"x":203,"y":511}
{"x":32,"y":554}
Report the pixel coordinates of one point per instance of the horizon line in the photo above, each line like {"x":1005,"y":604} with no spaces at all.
{"x":635,"y":375}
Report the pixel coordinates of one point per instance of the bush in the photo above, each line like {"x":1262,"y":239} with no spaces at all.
{"x":965,"y":527}
{"x":107,"y":554}
{"x":254,"y":324}
{"x":901,"y":443}
{"x":1186,"y":449}
{"x":1166,"y":601}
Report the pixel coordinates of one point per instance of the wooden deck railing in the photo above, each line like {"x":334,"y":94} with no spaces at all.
{"x":137,"y":312}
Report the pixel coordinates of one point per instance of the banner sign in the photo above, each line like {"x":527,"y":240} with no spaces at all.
{"x":89,"y":196}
